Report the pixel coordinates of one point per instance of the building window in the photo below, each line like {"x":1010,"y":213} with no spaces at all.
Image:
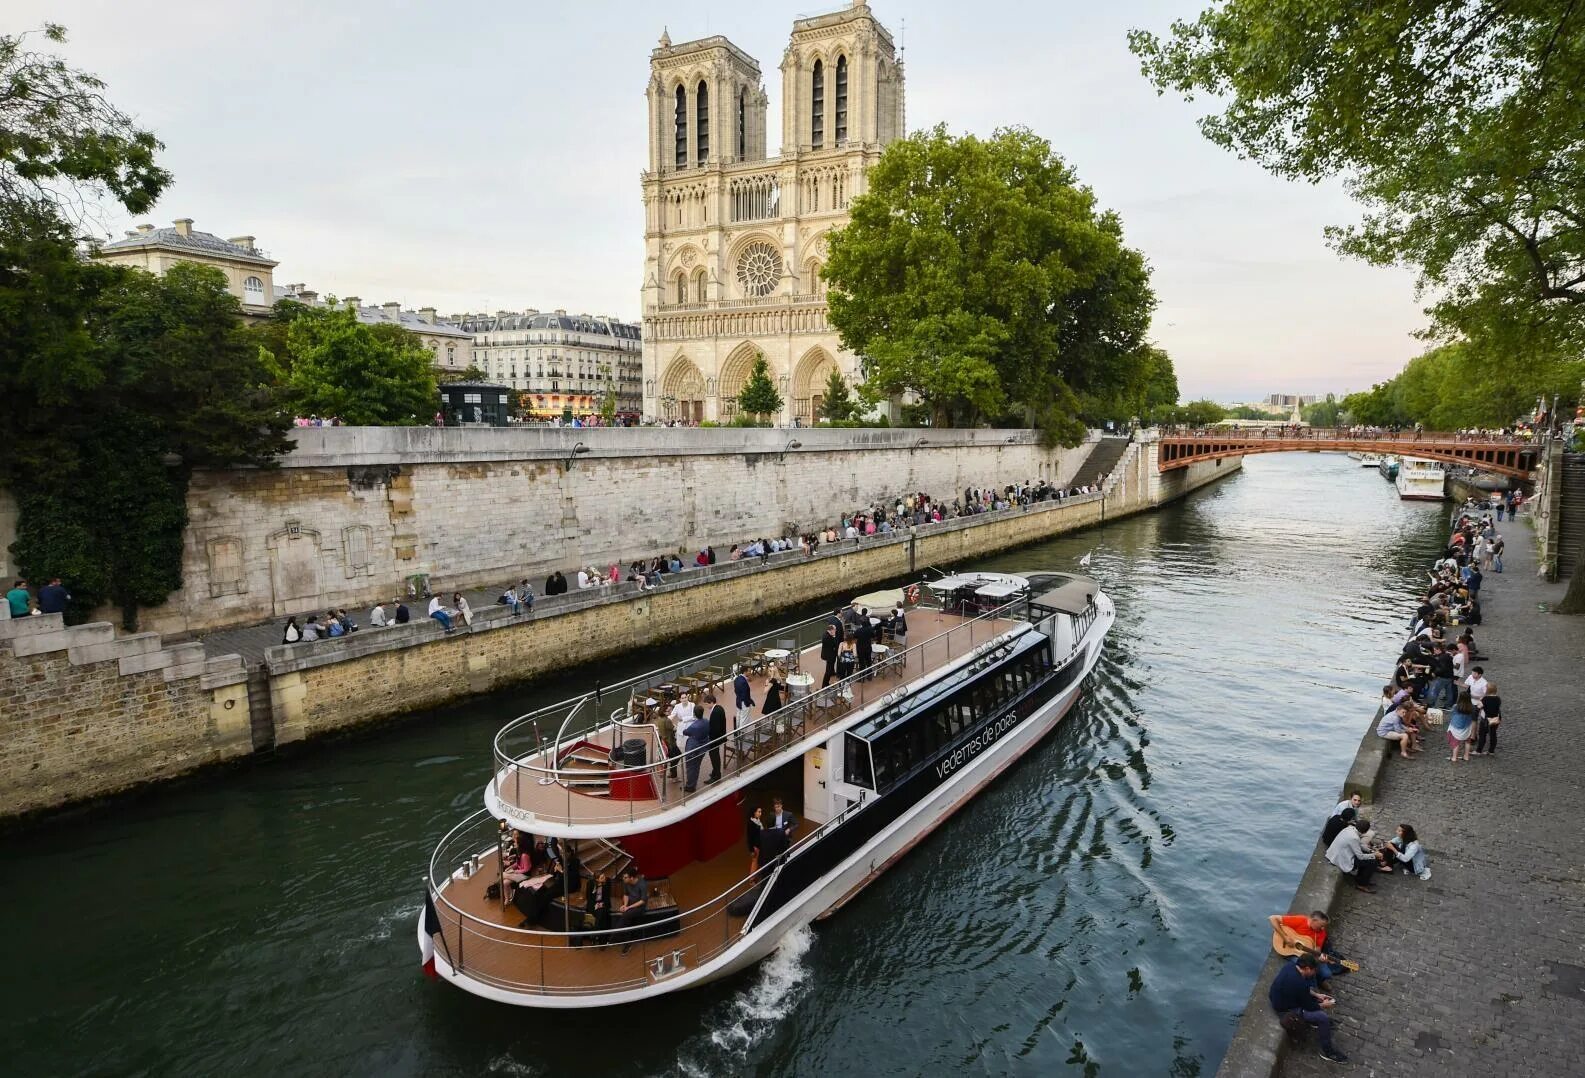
{"x":681,"y":120}
{"x":842,"y":99}
{"x":817,"y":113}
{"x":682,"y":289}
{"x":253,"y":290}
{"x":471,"y":398}
{"x":742,"y":125}
{"x":701,"y":126}
{"x":758,"y":269}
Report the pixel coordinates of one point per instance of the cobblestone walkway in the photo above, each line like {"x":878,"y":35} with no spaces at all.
{"x":1481,"y":969}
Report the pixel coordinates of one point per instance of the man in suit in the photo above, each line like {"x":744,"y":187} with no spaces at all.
{"x":829,"y":643}
{"x":745,"y":698}
{"x":696,"y":734}
{"x":782,"y":820}
{"x":864,"y":638}
{"x":717,"y":732}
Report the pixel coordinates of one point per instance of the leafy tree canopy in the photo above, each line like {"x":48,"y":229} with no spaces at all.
{"x":379,"y":375}
{"x":1455,"y":123}
{"x":1325,"y":413}
{"x":979,"y":275}
{"x":758,"y":396}
{"x":1200,"y":413}
{"x":1462,"y":385}
{"x":837,"y":402}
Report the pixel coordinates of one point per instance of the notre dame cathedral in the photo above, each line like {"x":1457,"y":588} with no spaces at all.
{"x":733,"y":239}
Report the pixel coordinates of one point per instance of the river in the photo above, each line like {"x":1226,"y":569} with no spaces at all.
{"x":1098,"y":910}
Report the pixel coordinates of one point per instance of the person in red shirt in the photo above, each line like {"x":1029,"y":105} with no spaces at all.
{"x":1314,"y":926}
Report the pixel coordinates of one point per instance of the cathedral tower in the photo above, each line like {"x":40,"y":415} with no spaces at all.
{"x":734,"y":240}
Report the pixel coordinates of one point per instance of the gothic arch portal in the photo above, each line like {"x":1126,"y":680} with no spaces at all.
{"x":809,"y":382}
{"x":683,"y":391}
{"x":734,"y":375}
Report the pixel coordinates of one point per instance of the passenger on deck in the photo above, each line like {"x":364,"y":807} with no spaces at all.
{"x":717,"y":732}
{"x":756,"y":832}
{"x":635,"y":894}
{"x":743,"y":696}
{"x":830,"y":644}
{"x":697,"y":733}
{"x":774,"y":690}
{"x":597,"y":908}
{"x":864,"y":639}
{"x":847,"y":660}
{"x":782,"y":820}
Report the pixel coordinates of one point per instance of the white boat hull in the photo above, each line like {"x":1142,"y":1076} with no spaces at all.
{"x":844,"y":881}
{"x":1420,"y":480}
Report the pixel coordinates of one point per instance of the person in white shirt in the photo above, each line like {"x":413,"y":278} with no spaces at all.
{"x":377,"y":617}
{"x":1353,"y":801}
{"x":1349,"y":853}
{"x":1477,"y":685}
{"x":438,"y":612}
{"x":583,"y":578}
{"x":1459,"y":665}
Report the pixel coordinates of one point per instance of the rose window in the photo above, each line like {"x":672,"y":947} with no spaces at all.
{"x":758,"y":269}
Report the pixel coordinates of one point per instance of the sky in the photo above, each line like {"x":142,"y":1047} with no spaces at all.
{"x":485,"y":155}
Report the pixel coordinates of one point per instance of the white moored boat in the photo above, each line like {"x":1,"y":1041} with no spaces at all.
{"x":1420,"y":480}
{"x":868,"y":766}
{"x":1365,"y":459}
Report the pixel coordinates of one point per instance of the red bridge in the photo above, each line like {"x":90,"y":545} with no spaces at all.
{"x":1501,"y":453}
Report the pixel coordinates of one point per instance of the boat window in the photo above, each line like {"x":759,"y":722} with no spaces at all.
{"x":857,"y":767}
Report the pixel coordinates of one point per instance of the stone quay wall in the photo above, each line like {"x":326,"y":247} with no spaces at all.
{"x":85,"y":714}
{"x":352,"y":512}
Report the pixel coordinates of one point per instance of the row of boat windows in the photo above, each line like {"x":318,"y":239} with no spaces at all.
{"x":898,"y":750}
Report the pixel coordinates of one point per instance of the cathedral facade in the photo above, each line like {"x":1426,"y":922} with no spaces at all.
{"x":734,"y":239}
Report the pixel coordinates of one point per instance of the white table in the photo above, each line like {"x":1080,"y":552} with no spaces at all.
{"x":777,"y":655}
{"x":799,"y":685}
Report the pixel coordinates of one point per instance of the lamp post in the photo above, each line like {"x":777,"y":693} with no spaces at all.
{"x":793,"y":443}
{"x":578,"y":450}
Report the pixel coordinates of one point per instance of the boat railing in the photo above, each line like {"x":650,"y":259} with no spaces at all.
{"x":533,"y":791}
{"x":575,"y":962}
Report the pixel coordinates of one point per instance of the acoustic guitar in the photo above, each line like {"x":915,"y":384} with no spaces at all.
{"x":1303,"y":944}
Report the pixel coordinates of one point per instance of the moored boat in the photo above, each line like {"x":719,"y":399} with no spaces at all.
{"x":1420,"y":480}
{"x":1368,"y":460}
{"x":984,"y":666}
{"x":1388,"y":468}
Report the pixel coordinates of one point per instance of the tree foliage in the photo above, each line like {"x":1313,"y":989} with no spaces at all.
{"x":1200,"y":413}
{"x":1458,"y":385}
{"x":837,"y":403}
{"x":758,"y":397}
{"x":1455,"y":123}
{"x":979,"y":275}
{"x":1323,"y":413}
{"x":63,"y":146}
{"x":380,"y":375}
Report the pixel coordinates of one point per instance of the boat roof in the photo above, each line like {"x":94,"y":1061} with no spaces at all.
{"x":878,"y":599}
{"x":1073,"y":597}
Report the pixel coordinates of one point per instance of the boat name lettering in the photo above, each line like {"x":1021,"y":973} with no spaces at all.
{"x":982,"y":740}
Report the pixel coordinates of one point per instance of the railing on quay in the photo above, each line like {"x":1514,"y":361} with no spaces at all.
{"x":525,"y":788}
{"x":1341,"y":434}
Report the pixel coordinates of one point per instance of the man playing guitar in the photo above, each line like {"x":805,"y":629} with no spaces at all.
{"x":1297,"y":934}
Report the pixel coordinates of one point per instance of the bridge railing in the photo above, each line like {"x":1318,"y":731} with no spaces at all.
{"x":1345,"y":434}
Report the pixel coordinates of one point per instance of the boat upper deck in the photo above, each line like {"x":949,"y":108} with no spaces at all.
{"x":623,"y":771}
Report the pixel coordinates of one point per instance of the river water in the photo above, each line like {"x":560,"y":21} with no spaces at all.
{"x":1096,"y":911}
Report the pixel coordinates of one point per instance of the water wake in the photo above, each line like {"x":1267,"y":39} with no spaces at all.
{"x":752,"y":1013}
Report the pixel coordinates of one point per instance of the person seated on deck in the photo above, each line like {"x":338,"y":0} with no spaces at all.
{"x":597,"y":911}
{"x":635,"y":897}
{"x":1298,"y":1003}
{"x":533,"y":897}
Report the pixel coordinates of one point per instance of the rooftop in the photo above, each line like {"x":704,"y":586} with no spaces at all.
{"x":531,"y":319}
{"x":181,"y":236}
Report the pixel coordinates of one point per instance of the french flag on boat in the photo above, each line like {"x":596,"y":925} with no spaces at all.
{"x":426,"y":945}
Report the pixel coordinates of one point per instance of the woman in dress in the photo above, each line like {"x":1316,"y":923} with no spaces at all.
{"x":1461,"y":726}
{"x":774,"y":692}
{"x":756,"y":826}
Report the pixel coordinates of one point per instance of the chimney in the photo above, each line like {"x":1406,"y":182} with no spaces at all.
{"x":393,"y":311}
{"x":145,"y":228}
{"x":427,"y":314}
{"x":245,"y":242}
{"x":132,"y":234}
{"x":502,"y":314}
{"x":307,"y":296}
{"x":353,"y":302}
{"x":560,"y":311}
{"x":184,"y":226}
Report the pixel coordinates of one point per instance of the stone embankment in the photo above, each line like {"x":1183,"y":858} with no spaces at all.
{"x":1478,"y":970}
{"x":171,"y":709}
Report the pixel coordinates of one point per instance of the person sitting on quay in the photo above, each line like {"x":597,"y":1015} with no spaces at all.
{"x":18,"y":599}
{"x":1299,"y":1004}
{"x":53,"y":597}
{"x":402,"y":615}
{"x":1405,"y":848}
{"x":555,"y":584}
{"x":437,"y":611}
{"x":291,"y":634}
{"x":311,"y":629}
{"x":1336,"y":823}
{"x":1296,"y":928}
{"x":377,"y":616}
{"x":1348,"y":852}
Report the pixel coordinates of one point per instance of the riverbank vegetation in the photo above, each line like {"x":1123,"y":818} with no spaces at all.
{"x":982,"y":277}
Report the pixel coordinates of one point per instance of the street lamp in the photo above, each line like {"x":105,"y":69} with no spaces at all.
{"x":792,"y":444}
{"x":576,"y":451}
{"x":921,"y":443}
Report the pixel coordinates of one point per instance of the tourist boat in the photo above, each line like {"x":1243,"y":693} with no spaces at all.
{"x":1420,"y":480}
{"x":1367,"y":460}
{"x":1388,"y":468}
{"x":868,"y":766}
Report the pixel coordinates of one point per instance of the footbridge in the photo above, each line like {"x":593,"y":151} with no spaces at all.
{"x":1503,"y":454}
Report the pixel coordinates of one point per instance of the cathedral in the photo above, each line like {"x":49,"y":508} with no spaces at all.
{"x":734,"y":239}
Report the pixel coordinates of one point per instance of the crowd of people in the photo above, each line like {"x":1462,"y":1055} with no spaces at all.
{"x":1439,"y":683}
{"x":884,"y":517}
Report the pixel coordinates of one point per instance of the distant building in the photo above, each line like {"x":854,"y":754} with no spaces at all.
{"x":248,"y":270}
{"x":451,"y":345}
{"x":559,"y":362}
{"x":1288,"y":401}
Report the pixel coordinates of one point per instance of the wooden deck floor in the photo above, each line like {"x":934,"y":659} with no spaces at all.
{"x":931,"y":648}
{"x":483,"y":939}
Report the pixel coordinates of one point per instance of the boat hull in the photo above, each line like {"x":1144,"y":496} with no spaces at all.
{"x":845,"y":880}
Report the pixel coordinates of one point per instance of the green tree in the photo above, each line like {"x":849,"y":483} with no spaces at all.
{"x":470,"y":374}
{"x":63,"y":146}
{"x":608,"y":400}
{"x":758,"y":397}
{"x":1200,"y":413}
{"x":1326,"y":413}
{"x":980,"y":276}
{"x":1454,"y":122}
{"x":837,"y":403}
{"x":379,"y":375}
